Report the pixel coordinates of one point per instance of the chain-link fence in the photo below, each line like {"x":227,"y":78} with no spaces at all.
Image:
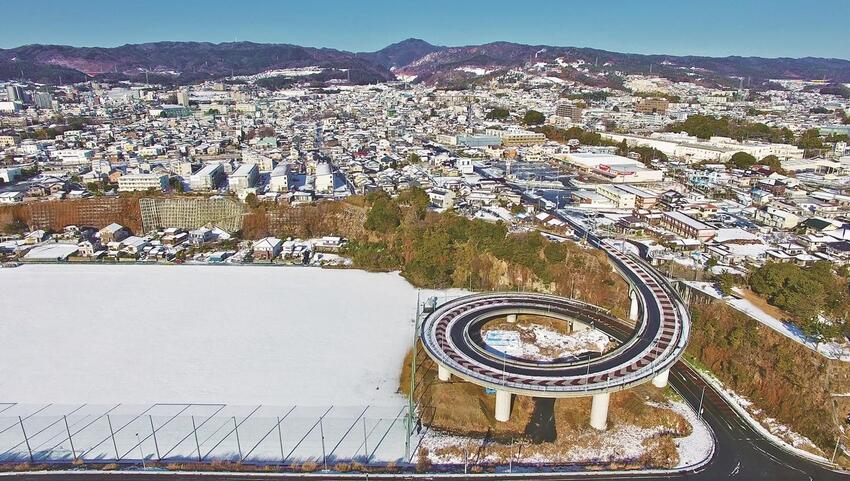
{"x":280,"y":435}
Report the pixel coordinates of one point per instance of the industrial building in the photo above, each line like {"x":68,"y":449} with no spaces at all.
{"x":614,"y":168}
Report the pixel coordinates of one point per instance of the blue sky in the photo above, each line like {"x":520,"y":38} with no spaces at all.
{"x":777,"y":28}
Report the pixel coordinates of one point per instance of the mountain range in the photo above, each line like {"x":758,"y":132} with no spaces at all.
{"x":189,"y":62}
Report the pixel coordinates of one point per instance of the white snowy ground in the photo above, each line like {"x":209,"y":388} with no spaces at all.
{"x":621,"y":444}
{"x":697,"y":446}
{"x":84,"y":341}
{"x":831,"y":350}
{"x":550,"y":340}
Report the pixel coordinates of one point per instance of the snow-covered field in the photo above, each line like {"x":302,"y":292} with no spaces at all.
{"x":154,"y":341}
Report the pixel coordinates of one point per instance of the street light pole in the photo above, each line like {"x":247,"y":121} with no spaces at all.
{"x":701,"y":396}
{"x":410,"y":404}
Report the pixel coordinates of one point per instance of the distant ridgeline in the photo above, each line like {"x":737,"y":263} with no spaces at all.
{"x":191,"y":213}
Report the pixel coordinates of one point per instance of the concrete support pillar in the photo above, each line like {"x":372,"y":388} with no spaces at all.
{"x":660,"y":379}
{"x":599,"y":411}
{"x":511,"y":317}
{"x":580,"y":326}
{"x":503,"y":405}
{"x":443,"y":374}
{"x":634,"y":307}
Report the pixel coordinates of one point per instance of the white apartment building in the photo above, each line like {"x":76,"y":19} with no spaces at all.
{"x":324,"y":178}
{"x":619,"y":197}
{"x":183,"y":169}
{"x":516,"y":137}
{"x":74,"y":156}
{"x":152,"y":151}
{"x":243,"y":178}
{"x":135,"y":182}
{"x":716,"y":149}
{"x":777,"y":218}
{"x":208,"y":178}
{"x":279,"y":181}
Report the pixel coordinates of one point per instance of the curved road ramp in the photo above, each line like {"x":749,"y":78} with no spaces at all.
{"x":452,"y":337}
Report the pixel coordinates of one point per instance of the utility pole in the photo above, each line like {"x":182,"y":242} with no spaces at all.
{"x":365,"y":442}
{"x":410,"y":403}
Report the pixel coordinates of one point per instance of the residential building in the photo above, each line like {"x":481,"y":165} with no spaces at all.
{"x":134,"y":182}
{"x":652,"y":106}
{"x":279,"y":181}
{"x":208,"y":178}
{"x":243,"y":177}
{"x":267,"y":248}
{"x":569,"y":110}
{"x":686,"y":226}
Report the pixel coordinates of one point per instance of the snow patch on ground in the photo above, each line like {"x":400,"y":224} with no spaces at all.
{"x":619,"y":444}
{"x":541,"y":343}
{"x":286,"y":72}
{"x":475,"y":70}
{"x":622,"y":444}
{"x":697,"y":446}
{"x":831,"y":350}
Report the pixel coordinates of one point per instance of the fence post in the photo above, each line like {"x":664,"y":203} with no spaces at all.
{"x":197,"y":444}
{"x":365,"y":442}
{"x":26,"y":439}
{"x":70,"y":439}
{"x":238,"y":444}
{"x":280,"y":440}
{"x":155,"y":444}
{"x":322,"y":434}
{"x":112,"y":433}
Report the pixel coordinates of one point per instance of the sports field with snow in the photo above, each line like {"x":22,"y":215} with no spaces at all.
{"x":155,"y":345}
{"x":234,"y":335}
